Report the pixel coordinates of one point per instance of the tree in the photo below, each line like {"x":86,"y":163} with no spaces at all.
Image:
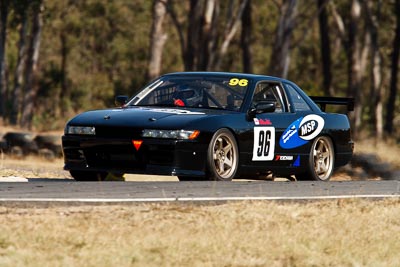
{"x":65,"y":91}
{"x":96,"y":49}
{"x":356,"y":66}
{"x":231,"y":27}
{"x":325,"y":47}
{"x":357,"y":54}
{"x":30,"y":88}
{"x":201,"y":34}
{"x":372,"y":22}
{"x":280,"y":56}
{"x":390,"y":108}
{"x":157,"y":38}
{"x":4,"y":4}
{"x":21,"y":9}
{"x":208,"y":34}
{"x":245,"y":41}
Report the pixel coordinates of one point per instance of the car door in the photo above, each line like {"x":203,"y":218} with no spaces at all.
{"x":269,"y":126}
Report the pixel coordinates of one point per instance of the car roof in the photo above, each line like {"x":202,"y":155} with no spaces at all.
{"x":254,"y":77}
{"x":236,"y":74}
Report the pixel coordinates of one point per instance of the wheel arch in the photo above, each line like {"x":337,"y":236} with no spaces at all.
{"x":234,"y":135}
{"x":334,"y":144}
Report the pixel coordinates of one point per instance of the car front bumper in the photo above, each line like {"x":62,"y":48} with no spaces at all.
{"x":153,"y":156}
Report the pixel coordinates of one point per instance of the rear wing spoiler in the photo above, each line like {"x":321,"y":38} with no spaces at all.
{"x":328,"y":100}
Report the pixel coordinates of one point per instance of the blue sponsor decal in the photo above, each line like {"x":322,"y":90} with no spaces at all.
{"x":296,"y":163}
{"x":301,"y":131}
{"x":290,"y":137}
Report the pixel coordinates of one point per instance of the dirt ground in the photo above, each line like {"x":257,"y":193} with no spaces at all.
{"x":37,"y":167}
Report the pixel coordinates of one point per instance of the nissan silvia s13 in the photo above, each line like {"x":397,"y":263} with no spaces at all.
{"x":211,"y":126}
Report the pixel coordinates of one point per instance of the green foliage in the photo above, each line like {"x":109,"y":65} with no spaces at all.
{"x":93,"y":50}
{"x":104,"y":44}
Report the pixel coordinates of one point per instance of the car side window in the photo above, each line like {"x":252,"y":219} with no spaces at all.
{"x":299,"y":103}
{"x":270,"y":92}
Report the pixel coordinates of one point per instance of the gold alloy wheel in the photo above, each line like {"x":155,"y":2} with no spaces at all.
{"x":224,"y":155}
{"x":323,"y":158}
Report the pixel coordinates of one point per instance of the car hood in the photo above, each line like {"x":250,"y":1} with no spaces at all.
{"x":144,"y":117}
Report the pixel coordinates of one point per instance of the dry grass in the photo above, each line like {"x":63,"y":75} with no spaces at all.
{"x":32,"y":167}
{"x":331,"y":233}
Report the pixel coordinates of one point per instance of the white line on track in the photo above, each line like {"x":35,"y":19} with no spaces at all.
{"x":186,"y":199}
{"x":13,"y":179}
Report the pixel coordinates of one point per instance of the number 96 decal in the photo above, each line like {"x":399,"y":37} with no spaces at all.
{"x":264,"y":143}
{"x":236,"y":81}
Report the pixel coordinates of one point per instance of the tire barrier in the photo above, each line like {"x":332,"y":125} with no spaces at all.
{"x":21,"y":144}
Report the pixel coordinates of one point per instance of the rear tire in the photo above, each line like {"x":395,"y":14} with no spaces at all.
{"x":321,"y":160}
{"x":88,"y":176}
{"x":222,"y":156}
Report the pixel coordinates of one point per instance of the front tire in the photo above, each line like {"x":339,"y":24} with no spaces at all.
{"x":321,"y":160}
{"x":222,"y":156}
{"x":88,"y":176}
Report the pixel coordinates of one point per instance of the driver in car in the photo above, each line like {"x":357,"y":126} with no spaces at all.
{"x":185,"y":96}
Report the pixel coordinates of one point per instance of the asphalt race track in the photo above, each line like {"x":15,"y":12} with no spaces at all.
{"x":67,"y":191}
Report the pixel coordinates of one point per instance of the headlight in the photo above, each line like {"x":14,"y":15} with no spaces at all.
{"x":85,"y":130}
{"x":171,"y":134}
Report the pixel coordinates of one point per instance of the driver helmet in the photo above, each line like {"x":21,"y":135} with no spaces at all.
{"x":188,"y":95}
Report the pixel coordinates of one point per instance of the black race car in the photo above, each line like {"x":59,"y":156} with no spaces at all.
{"x":211,"y":126}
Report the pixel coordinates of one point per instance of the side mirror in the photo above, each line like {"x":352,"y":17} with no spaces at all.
{"x":120,"y":100}
{"x":265,"y":107}
{"x":261,"y":107}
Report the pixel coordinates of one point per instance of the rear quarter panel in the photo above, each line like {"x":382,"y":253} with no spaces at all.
{"x":337,"y":127}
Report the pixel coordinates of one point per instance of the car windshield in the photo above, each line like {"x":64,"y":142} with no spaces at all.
{"x":194,"y":91}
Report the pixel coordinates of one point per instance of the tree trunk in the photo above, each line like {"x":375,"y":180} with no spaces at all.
{"x":193,"y":35}
{"x":325,"y":47}
{"x":61,"y":103}
{"x":201,"y":35}
{"x":65,"y":90}
{"x":208,"y":35}
{"x":354,"y":60}
{"x":376,"y":68}
{"x":390,"y":109}
{"x":157,"y":38}
{"x":341,"y":38}
{"x":31,"y":67}
{"x":246,"y":38}
{"x":3,"y":35}
{"x":19,"y":70}
{"x":231,"y":28}
{"x":203,"y":49}
{"x":280,"y":58}
{"x":179,"y":29}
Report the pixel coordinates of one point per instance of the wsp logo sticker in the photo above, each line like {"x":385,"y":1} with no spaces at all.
{"x":301,"y":131}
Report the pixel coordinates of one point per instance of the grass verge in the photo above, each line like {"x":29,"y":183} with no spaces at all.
{"x":324,"y":233}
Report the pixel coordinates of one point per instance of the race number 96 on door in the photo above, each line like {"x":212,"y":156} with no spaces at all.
{"x":264,"y":143}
